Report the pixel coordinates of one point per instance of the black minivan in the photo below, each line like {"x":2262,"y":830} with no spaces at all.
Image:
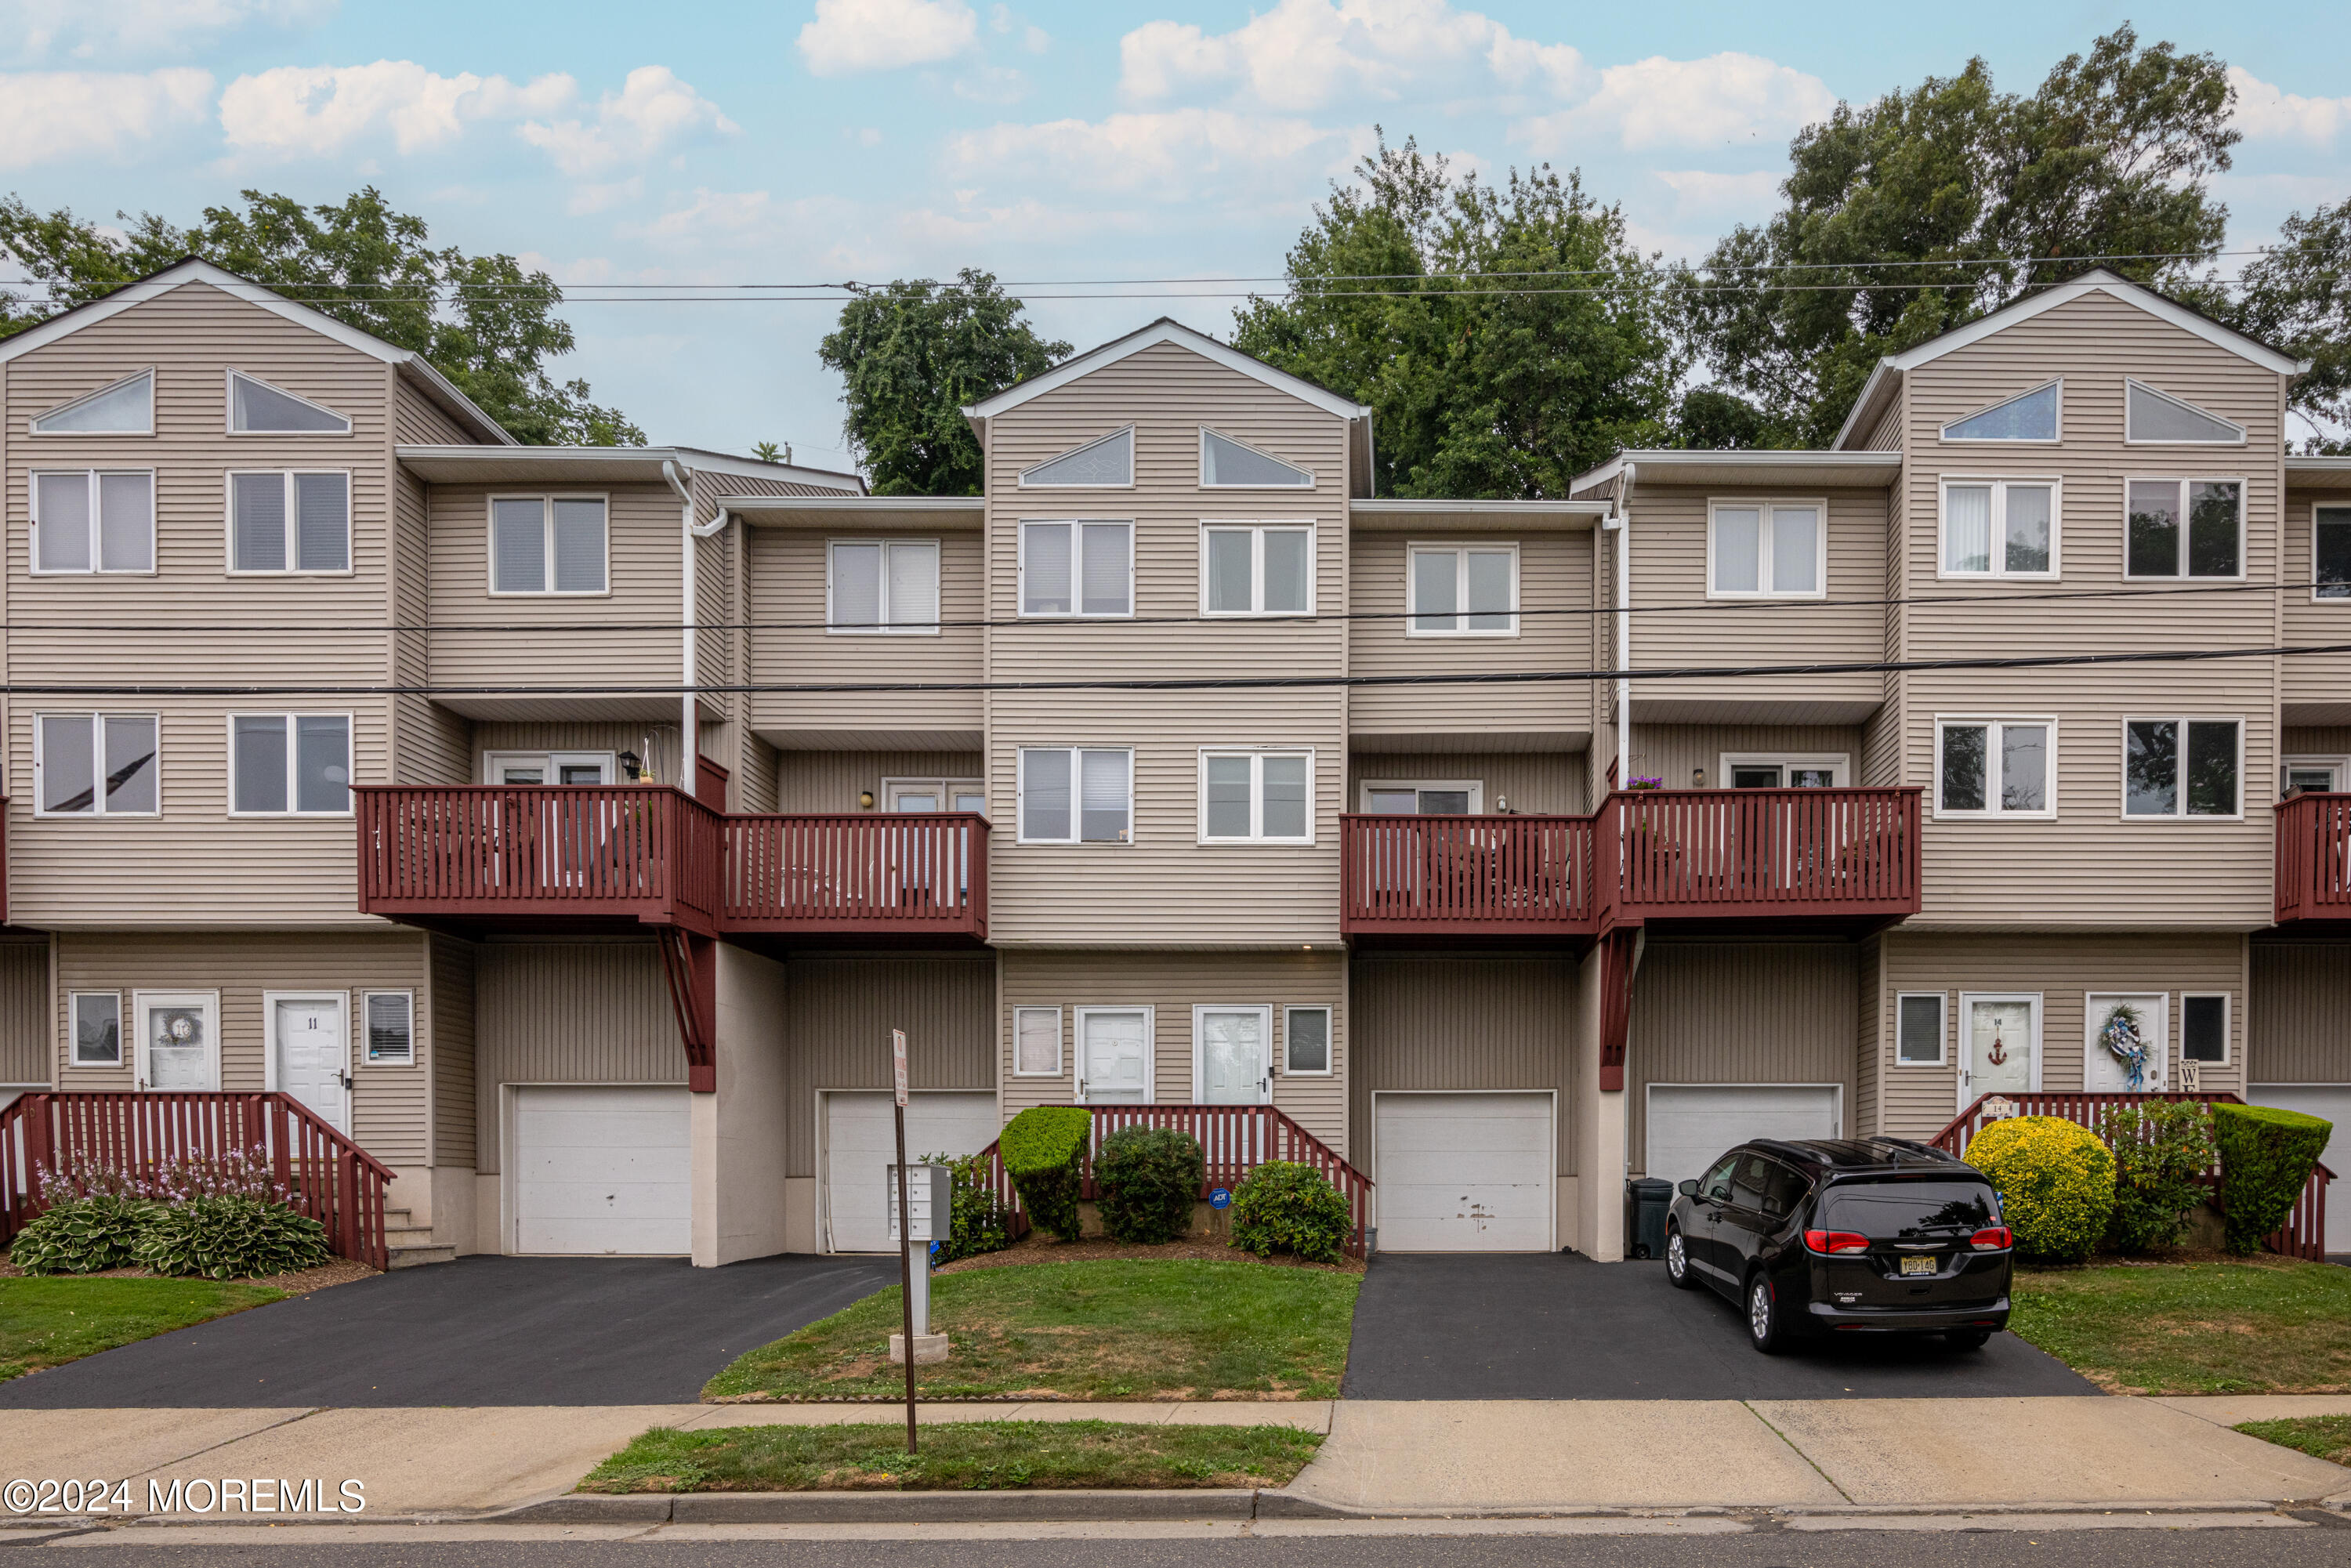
{"x":1847,"y":1235}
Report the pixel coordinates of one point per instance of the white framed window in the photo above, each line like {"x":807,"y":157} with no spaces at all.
{"x":96,"y":765}
{"x":1306,"y":1043}
{"x":177,"y":1040}
{"x":882,"y":587}
{"x":1035,"y":1042}
{"x":93,"y":519}
{"x":2185,"y":528}
{"x":289,"y":764}
{"x":389,"y":1021}
{"x":2182,"y":768}
{"x":1073,"y":795}
{"x":2204,"y":1028}
{"x":550,"y":767}
{"x":2330,"y":552}
{"x":2000,"y":527}
{"x":1422,"y":797}
{"x":2325,"y":775}
{"x":97,"y":1025}
{"x":256,"y":408}
{"x":2153,"y":418}
{"x":284,"y":521}
{"x":1107,"y":464}
{"x":1920,"y":1035}
{"x":1257,"y":797}
{"x":2035,"y":416}
{"x":1462,"y":590}
{"x":1766,"y":549}
{"x":1257,"y":568}
{"x":1117,"y":1055}
{"x":1782,"y":771}
{"x":1077,"y":568}
{"x":1995,"y":767}
{"x":935,"y":795}
{"x":1229,"y":464}
{"x":549,"y":544}
{"x":126,"y":407}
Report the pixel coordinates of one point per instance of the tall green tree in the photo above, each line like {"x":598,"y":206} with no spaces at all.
{"x":1974,"y":197}
{"x":1508,"y":336}
{"x":914,"y":355}
{"x":482,"y":322}
{"x":2297,"y":296}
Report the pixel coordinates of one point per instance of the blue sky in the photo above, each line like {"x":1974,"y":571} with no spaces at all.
{"x":821,"y":140}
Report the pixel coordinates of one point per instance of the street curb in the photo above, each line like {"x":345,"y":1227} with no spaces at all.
{"x":917,"y":1508}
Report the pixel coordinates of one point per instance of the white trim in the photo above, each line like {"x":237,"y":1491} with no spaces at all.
{"x":1257,"y":530}
{"x":1207,"y":430}
{"x":2132,"y":383}
{"x":888,"y":628}
{"x":97,"y":760}
{"x":1996,"y":553}
{"x":2097,"y":1004}
{"x":1264,"y":1011}
{"x":1076,"y":795}
{"x":209,"y":1001}
{"x":1020,"y":482}
{"x":1963,"y":1044}
{"x":1462,"y":549}
{"x":2339,"y":765}
{"x":1700,"y":465}
{"x":293,"y":761}
{"x":93,"y":491}
{"x":341,"y":1001}
{"x":33,"y":422}
{"x":1165,"y":332}
{"x":546,"y":499}
{"x":454,"y":463}
{"x":1077,"y":611}
{"x":2098,"y":281}
{"x":1839,"y":763}
{"x":1943,"y":1019}
{"x":1256,"y":755}
{"x":2343,"y":520}
{"x":364,"y":1045}
{"x":2181,"y":482}
{"x":1407,"y":506}
{"x":1768,"y":508}
{"x":1150,"y":1012}
{"x":1551,"y":1144}
{"x":293,"y":523}
{"x":1330,"y":1067}
{"x":2179,"y":767}
{"x":73,"y":1031}
{"x":1475,"y":787}
{"x":228,"y":409}
{"x":1943,"y":431}
{"x":1061,"y":1042}
{"x":1993,"y":781}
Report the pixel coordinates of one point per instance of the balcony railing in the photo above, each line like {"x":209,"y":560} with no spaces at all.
{"x":858,"y":873}
{"x":2314,"y":858}
{"x":1712,"y":853}
{"x":1433,"y":875}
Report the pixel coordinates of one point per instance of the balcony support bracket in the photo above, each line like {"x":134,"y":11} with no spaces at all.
{"x":691,"y":962}
{"x":1620,"y":959}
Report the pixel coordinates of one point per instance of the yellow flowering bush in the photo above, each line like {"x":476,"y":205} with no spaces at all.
{"x":2056,"y":1183}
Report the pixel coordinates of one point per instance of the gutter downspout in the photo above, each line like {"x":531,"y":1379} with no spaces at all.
{"x":1618,"y":525}
{"x":690,"y":714}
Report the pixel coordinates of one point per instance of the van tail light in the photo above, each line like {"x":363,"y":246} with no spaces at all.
{"x":1834,"y":1242}
{"x":1993,"y":1238}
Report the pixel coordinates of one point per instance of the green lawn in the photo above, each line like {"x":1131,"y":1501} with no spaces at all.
{"x":2329,"y":1437}
{"x":2272,"y":1326}
{"x":1101,"y":1330}
{"x":957,"y":1456}
{"x":50,"y":1320}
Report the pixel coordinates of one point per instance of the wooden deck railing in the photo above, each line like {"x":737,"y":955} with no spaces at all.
{"x":2314,"y":858}
{"x":324,"y":1173}
{"x":1431,"y":875}
{"x":889,"y":873}
{"x":2303,"y":1234}
{"x":1714,"y":852}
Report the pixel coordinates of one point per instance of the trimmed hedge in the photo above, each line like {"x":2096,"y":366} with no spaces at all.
{"x":2160,"y":1147}
{"x":2056,"y":1183}
{"x":82,"y":1236}
{"x":1042,"y":1149}
{"x":2266,"y":1154}
{"x":1149,"y":1178}
{"x":1285,"y":1207}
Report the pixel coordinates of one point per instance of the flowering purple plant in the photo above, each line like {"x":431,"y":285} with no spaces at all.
{"x":1641,"y":782}
{"x":176,"y":1178}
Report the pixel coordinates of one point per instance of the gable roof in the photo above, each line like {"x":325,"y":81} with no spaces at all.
{"x":1166,"y":329}
{"x":412,"y":366}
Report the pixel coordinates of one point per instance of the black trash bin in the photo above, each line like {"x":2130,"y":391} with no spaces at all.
{"x":1646,"y":1198}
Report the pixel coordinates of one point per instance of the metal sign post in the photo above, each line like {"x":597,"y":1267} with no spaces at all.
{"x":905,"y":1224}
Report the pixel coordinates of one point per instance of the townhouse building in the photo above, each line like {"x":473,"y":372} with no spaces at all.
{"x":1500,"y":849}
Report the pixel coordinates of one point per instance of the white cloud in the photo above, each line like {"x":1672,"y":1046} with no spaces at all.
{"x":1701,"y":190}
{"x":1028,"y":221}
{"x":2265,"y":110}
{"x":46,"y":116}
{"x":303,"y":110}
{"x":115,"y":27}
{"x":652,"y":112}
{"x":1735,"y":98}
{"x":586,"y":199}
{"x":851,"y":35}
{"x":1177,"y":155}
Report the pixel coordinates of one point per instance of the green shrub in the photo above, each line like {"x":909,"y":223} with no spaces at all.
{"x":1285,"y":1207}
{"x":2056,"y":1183}
{"x":1149,"y":1178}
{"x":2160,"y":1147}
{"x":980,"y":1223}
{"x":2265,"y":1159}
{"x":82,"y":1236}
{"x":231,"y":1238}
{"x":1043,"y":1149}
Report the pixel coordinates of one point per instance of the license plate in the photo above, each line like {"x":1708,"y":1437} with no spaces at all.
{"x":1918,"y":1265}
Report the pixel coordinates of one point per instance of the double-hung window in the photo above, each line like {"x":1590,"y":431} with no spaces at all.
{"x":548,"y":544}
{"x":1072,"y":795}
{"x":1306,"y":1041}
{"x":1257,"y":797}
{"x":1463,"y":591}
{"x":1252,"y":569}
{"x":889,"y":586}
{"x":1077,"y":569}
{"x":93,"y":519}
{"x":285,"y":763}
{"x":2186,"y":527}
{"x":2330,"y":552}
{"x":2182,"y":766}
{"x":2000,"y":527}
{"x":1995,"y":767}
{"x":95,"y":765}
{"x":1766,"y":549}
{"x":289,"y":521}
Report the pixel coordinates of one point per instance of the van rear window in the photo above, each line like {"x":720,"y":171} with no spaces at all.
{"x":1894,"y":1211}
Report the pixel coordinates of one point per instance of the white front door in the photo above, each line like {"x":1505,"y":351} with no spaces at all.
{"x":312,"y":1055}
{"x":1232,"y":1065}
{"x":179,"y":1043}
{"x":1113,"y":1056}
{"x":2138,"y":1023}
{"x":2002,"y":1049}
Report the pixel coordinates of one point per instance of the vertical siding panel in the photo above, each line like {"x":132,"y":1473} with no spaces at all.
{"x":24,"y":1054}
{"x":841,"y":1011}
{"x":568,"y":1012}
{"x":2298,"y":1026}
{"x":1432,"y":1020}
{"x":451,"y":1025}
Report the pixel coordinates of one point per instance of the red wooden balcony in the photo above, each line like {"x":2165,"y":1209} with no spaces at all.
{"x":858,"y":873}
{"x":1486,"y":876}
{"x":1843,"y":856}
{"x":2314,"y":859}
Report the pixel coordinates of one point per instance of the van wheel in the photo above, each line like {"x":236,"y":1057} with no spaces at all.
{"x":1967,"y":1339}
{"x":1678,"y":1268}
{"x":1767,"y":1323}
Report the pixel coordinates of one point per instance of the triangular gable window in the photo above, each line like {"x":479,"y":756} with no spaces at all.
{"x":2151,"y":415}
{"x":2033,"y":416}
{"x":1226,"y":464}
{"x":126,"y":408}
{"x":1109,"y":462}
{"x":256,"y":408}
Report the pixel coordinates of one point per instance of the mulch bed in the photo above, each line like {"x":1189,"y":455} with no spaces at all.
{"x":1038,"y":1248}
{"x":334,"y":1272}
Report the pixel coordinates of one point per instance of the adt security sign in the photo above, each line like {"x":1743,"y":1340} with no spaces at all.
{"x":1219,"y":1199}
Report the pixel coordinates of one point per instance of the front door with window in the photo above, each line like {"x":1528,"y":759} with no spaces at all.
{"x":312,"y":1048}
{"x":179,"y":1045}
{"x":2003,"y":1046}
{"x":1233,"y":1063}
{"x":1113,"y":1058}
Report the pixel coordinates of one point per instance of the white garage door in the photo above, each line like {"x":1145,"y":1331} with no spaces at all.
{"x":860,"y":1145}
{"x":2332,"y":1100}
{"x":1693,"y":1124}
{"x":1463,"y":1173}
{"x":602,"y":1169}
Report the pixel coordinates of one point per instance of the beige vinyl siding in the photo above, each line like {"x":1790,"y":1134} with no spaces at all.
{"x":2298,"y":1024}
{"x":1673,"y":751}
{"x":447,"y":1010}
{"x":1545,"y":783}
{"x":2317,"y":683}
{"x":388,"y":1111}
{"x":568,"y":1012}
{"x":1867,"y":1113}
{"x":819,"y":781}
{"x":837,"y":1031}
{"x":1886,"y":436}
{"x":656,"y":744}
{"x":429,"y":743}
{"x":418,"y":421}
{"x":1741,"y":1012}
{"x":26,"y":1055}
{"x":2063,"y":966}
{"x":1172,"y":985}
{"x":1444,"y":1020}
{"x":1555,"y":581}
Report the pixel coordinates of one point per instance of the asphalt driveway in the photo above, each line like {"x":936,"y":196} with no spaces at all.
{"x":1557,"y":1326}
{"x":480,"y":1330}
